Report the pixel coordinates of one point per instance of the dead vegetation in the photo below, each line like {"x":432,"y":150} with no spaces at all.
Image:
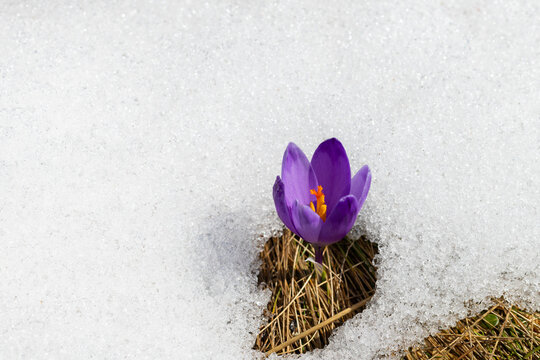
{"x":305,"y":307}
{"x":501,"y":332}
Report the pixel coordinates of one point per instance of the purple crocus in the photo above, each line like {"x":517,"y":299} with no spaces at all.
{"x":318,"y":201}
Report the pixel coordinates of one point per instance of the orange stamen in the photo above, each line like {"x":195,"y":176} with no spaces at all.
{"x":321,"y":206}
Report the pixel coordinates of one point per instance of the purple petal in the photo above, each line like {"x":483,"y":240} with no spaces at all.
{"x":306,"y":221}
{"x":331,"y":166}
{"x":297,"y":175}
{"x":360,"y":185}
{"x":340,"y":221}
{"x":284,"y":211}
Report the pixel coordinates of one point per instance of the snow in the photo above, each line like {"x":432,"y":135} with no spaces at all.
{"x":139,"y":143}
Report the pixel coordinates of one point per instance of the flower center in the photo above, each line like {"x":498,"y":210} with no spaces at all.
{"x":321,"y":206}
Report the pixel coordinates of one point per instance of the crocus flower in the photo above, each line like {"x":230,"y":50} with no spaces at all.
{"x":318,"y":200}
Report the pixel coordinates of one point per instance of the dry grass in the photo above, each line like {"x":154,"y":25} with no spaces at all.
{"x":306,"y":307}
{"x":501,"y":332}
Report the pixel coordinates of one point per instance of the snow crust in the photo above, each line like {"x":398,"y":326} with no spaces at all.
{"x":139,"y":142}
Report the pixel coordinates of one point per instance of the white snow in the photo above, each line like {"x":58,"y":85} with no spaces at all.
{"x":139,"y":142}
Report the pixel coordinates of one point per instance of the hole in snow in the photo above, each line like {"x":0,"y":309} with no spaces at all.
{"x":502,"y":331}
{"x":305,"y":307}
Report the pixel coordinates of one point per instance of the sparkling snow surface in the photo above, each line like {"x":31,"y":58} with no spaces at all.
{"x":139,"y":145}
